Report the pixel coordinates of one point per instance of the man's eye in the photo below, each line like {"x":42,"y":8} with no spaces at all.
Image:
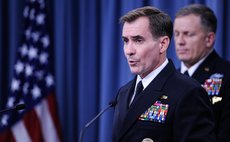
{"x":125,"y":40}
{"x":176,"y":34}
{"x":138,"y":40}
{"x":191,"y":34}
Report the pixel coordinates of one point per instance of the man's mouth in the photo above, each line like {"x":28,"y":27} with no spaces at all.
{"x":132,"y":62}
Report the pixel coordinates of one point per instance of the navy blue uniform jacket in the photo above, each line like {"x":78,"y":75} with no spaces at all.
{"x":189,"y":116}
{"x":214,"y":65}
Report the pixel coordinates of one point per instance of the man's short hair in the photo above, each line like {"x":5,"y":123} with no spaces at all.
{"x":207,"y":16}
{"x":160,"y":23}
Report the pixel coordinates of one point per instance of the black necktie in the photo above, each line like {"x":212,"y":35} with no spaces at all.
{"x":186,"y":73}
{"x":139,"y":88}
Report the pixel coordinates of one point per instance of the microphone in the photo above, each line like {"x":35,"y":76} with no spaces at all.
{"x":111,"y":104}
{"x":15,"y":108}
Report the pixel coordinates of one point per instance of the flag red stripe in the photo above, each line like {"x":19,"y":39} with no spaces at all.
{"x":33,"y":126}
{"x":51,"y":100}
{"x":7,"y":136}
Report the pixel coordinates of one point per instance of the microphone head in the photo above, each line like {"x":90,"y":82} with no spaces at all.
{"x":20,"y":106}
{"x":113,"y":103}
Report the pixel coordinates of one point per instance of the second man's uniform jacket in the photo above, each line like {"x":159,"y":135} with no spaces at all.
{"x":214,"y":75}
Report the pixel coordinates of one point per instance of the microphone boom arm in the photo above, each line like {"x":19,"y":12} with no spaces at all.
{"x":15,"y":108}
{"x":111,"y":104}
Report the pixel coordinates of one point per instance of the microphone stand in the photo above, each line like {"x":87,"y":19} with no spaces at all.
{"x":15,"y":108}
{"x":111,"y":104}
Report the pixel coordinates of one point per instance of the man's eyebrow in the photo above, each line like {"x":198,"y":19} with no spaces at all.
{"x":124,"y":38}
{"x":133,"y":37}
{"x":137,"y":37}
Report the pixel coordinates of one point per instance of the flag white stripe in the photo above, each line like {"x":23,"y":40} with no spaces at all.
{"x":48,"y":128}
{"x":20,"y":133}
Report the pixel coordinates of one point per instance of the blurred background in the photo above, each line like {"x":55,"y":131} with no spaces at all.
{"x":86,"y":54}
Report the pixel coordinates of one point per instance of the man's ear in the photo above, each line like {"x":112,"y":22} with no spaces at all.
{"x":210,"y":39}
{"x":164,"y":44}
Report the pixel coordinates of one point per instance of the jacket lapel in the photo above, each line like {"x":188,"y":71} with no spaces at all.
{"x":125,"y":98}
{"x":206,"y":68}
{"x":148,"y":97}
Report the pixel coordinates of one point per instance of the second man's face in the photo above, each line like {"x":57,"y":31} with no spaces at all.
{"x":141,"y":49}
{"x":190,"y":39}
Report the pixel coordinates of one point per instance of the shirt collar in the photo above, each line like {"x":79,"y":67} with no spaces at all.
{"x":193,"y":68}
{"x":151,"y":75}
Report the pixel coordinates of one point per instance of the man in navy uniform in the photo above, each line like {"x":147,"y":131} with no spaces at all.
{"x":194,"y":34}
{"x":159,"y":104}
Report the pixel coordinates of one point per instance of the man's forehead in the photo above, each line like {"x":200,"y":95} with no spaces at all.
{"x":140,"y":22}
{"x":135,"y":29}
{"x":187,"y":23}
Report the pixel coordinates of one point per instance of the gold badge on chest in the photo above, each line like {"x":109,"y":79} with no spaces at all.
{"x":216,"y":99}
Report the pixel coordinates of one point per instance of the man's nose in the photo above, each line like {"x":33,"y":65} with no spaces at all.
{"x":180,"y":40}
{"x":129,"y":49}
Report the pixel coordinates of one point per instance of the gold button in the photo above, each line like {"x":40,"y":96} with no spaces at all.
{"x":147,"y":140}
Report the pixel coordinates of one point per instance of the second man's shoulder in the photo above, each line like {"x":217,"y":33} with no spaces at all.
{"x":183,"y":81}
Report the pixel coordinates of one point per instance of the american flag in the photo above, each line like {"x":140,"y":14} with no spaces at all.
{"x":32,"y":84}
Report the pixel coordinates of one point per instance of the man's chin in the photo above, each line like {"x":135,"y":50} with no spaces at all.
{"x":183,"y":56}
{"x":135,"y":71}
{"x":184,"y":59}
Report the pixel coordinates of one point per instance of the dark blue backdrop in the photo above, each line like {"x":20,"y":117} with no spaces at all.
{"x":88,"y":54}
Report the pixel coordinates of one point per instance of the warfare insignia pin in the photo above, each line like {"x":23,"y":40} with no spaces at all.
{"x":207,"y":69}
{"x":164,"y":97}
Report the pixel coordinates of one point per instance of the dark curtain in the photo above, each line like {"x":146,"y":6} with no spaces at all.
{"x":88,"y":55}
